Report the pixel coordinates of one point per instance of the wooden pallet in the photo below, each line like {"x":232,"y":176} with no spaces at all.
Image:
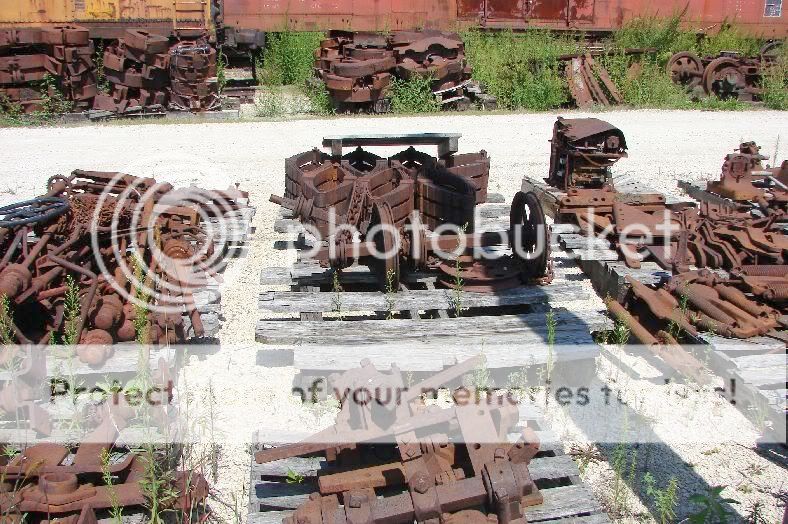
{"x":232,"y":244}
{"x":271,"y":497}
{"x":757,"y":365}
{"x":509,"y":327}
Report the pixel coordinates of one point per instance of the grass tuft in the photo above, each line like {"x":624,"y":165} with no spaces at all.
{"x":413,"y":95}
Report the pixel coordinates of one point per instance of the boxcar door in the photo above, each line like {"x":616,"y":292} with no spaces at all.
{"x":506,"y":10}
{"x":561,"y":11}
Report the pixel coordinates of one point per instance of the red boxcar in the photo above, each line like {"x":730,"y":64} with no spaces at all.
{"x":758,"y":17}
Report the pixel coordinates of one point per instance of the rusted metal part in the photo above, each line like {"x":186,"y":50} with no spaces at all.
{"x":444,"y":462}
{"x":703,"y":300}
{"x":749,"y":184}
{"x":357,"y":68}
{"x":590,"y":83}
{"x":44,"y":488}
{"x":727,"y":75}
{"x":411,"y":194}
{"x":583,"y":151}
{"x":63,"y":52}
{"x":192,"y":74}
{"x":663,"y":344}
{"x":47,"y":250}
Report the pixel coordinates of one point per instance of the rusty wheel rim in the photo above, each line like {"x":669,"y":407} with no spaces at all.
{"x":528,"y":235}
{"x":723,"y":78}
{"x":685,"y":69}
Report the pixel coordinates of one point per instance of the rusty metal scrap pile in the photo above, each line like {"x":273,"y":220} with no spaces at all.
{"x":738,"y":231}
{"x":66,"y":236}
{"x":396,"y":462}
{"x":27,"y":56}
{"x":357,"y":68}
{"x":53,"y":481}
{"x":728,"y":75}
{"x":145,"y":72}
{"x":415,"y":194}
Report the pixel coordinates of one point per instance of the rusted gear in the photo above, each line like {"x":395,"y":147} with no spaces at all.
{"x":530,"y":237}
{"x":686,"y":69}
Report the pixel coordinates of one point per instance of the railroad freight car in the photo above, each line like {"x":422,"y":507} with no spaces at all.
{"x":243,"y":23}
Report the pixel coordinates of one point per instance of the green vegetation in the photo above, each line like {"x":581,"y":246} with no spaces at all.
{"x":288,"y":58}
{"x":665,"y":500}
{"x":713,"y":506}
{"x":413,"y":95}
{"x":7,"y":337}
{"x":521,"y":69}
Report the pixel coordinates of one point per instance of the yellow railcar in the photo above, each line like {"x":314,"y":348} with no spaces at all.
{"x":110,"y":18}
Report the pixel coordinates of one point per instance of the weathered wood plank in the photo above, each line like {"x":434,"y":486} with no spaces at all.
{"x":383,"y":331}
{"x":564,"y":502}
{"x":500,"y":352}
{"x":755,"y":362}
{"x":299,"y":301}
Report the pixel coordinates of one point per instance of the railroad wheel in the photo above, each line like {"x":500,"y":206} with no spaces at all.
{"x":385,"y":262}
{"x":771,"y":50}
{"x":529,"y":236}
{"x":685,"y":69}
{"x":723,"y":78}
{"x":33,"y":211}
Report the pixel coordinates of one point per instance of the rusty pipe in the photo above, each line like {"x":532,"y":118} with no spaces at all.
{"x":635,"y":327}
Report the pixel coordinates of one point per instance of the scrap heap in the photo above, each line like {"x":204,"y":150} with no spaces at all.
{"x":27,"y":56}
{"x":742,"y":239}
{"x":101,"y":240}
{"x":145,"y":73}
{"x":396,"y":462}
{"x":752,"y":187}
{"x":357,"y":68}
{"x":137,"y":70}
{"x":193,"y":77}
{"x":728,"y":75}
{"x":51,"y":481}
{"x":401,"y":201}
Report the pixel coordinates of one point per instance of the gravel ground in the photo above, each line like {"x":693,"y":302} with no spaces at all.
{"x":230,"y":397}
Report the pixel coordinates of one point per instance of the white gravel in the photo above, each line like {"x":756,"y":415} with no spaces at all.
{"x":231,"y":397}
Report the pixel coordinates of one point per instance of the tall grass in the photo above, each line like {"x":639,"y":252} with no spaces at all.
{"x":413,"y":95}
{"x":775,"y":82}
{"x":521,"y":70}
{"x":288,"y":58}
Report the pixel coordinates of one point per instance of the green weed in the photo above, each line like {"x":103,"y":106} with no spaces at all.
{"x":116,"y":510}
{"x":294,"y":477}
{"x":7,"y":337}
{"x":72,"y":310}
{"x":775,"y":82}
{"x":729,"y":38}
{"x":288,"y":58}
{"x":413,"y":95}
{"x":319,"y":99}
{"x":712,"y":506}
{"x":521,"y":69}
{"x":221,"y":71}
{"x":665,"y":500}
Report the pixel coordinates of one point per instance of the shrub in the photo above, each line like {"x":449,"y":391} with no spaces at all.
{"x":522,"y":70}
{"x":413,"y":95}
{"x":775,"y":82}
{"x":288,"y":58}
